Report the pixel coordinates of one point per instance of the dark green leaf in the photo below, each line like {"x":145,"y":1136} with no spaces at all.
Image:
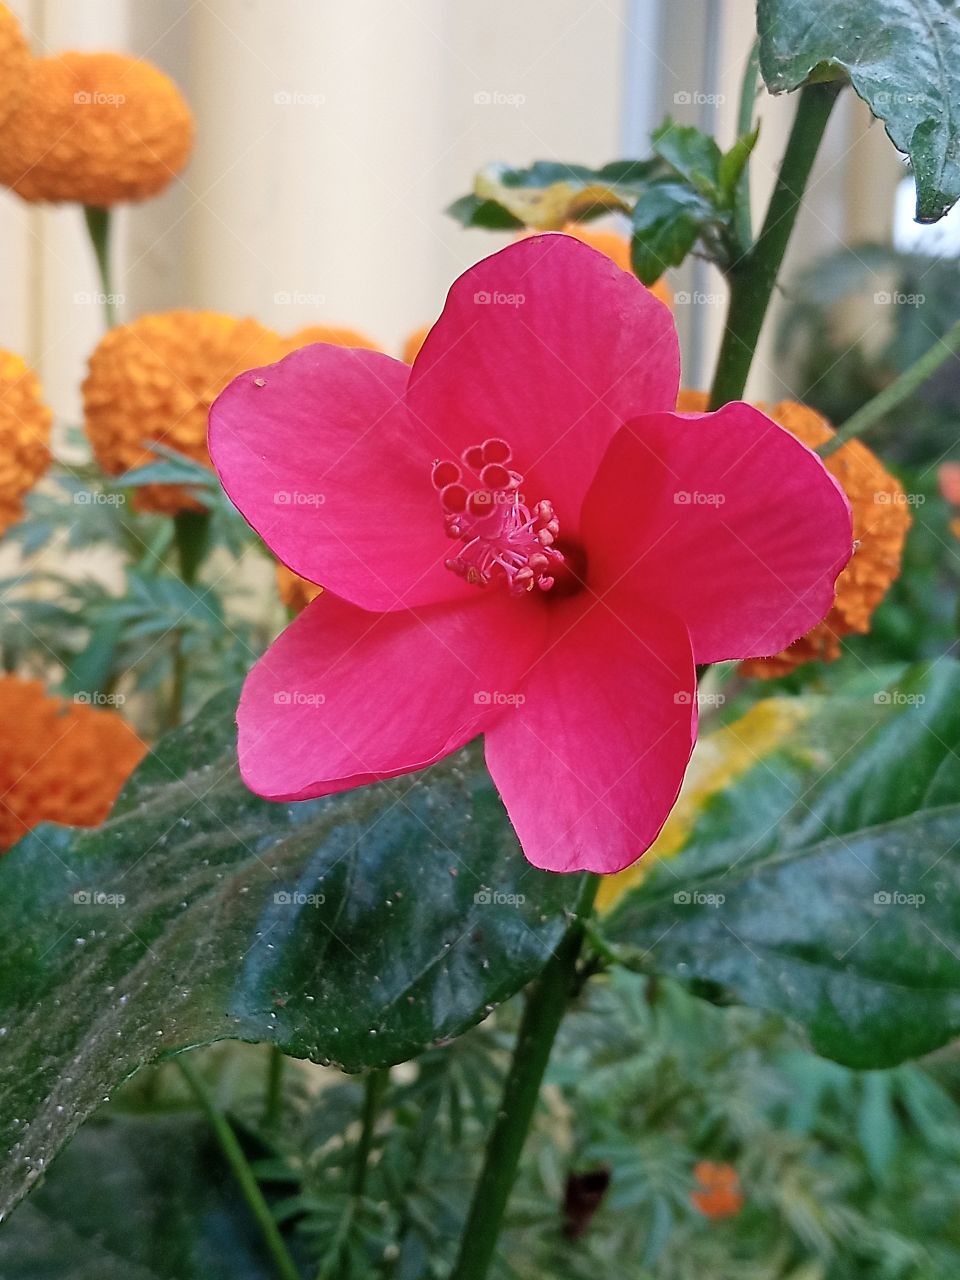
{"x":667,"y":221}
{"x":693,"y":154}
{"x":356,"y":929}
{"x":471,"y":211}
{"x":136,"y":1198}
{"x":837,"y":902}
{"x":903,"y":59}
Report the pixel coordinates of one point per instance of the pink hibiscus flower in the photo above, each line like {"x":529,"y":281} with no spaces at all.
{"x":518,"y":538}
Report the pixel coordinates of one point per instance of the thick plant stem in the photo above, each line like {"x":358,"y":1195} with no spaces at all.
{"x":240,"y":1167}
{"x":546,"y":1004}
{"x":900,"y":389}
{"x":98,"y":228}
{"x":753,"y":277}
{"x":375,"y":1086}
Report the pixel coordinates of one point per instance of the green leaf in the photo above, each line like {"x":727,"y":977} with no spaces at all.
{"x":356,"y":929}
{"x":693,"y":154}
{"x":835,"y":902}
{"x":471,"y":211}
{"x":136,"y":1198}
{"x":903,"y":59}
{"x":667,"y":222}
{"x":733,"y":164}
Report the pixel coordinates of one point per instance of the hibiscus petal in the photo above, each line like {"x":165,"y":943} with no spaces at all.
{"x":549,"y":345}
{"x":728,"y":519}
{"x":590,"y":764}
{"x":345,"y":697}
{"x":315,"y":452}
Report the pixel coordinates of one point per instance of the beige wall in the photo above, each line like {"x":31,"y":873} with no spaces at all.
{"x":333,"y":132}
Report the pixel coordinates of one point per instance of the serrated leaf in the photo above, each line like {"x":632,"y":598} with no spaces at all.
{"x":903,"y":59}
{"x":353,"y":929}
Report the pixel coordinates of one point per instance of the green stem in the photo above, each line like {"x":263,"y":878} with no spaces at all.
{"x":273,"y":1102}
{"x":191,"y":536}
{"x":240,"y":1167}
{"x":546,"y":1004}
{"x":900,"y":389}
{"x":375,"y":1086}
{"x":98,"y":226}
{"x":748,"y":96}
{"x":753,"y":277}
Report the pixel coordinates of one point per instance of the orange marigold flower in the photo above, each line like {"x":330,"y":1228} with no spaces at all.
{"x":295,"y":592}
{"x":14,"y":64}
{"x":880,"y":522}
{"x":59,"y":761}
{"x":327,"y":333}
{"x":96,"y":128}
{"x":720,"y":1195}
{"x":155,"y":379}
{"x":24,"y":436}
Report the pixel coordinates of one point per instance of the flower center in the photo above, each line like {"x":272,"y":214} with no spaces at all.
{"x":503,"y":539}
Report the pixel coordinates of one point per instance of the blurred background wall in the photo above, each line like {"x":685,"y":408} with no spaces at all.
{"x":332,"y":134}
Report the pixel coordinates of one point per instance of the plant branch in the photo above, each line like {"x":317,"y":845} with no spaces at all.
{"x":98,"y":227}
{"x":240,"y":1167}
{"x":753,"y":277}
{"x":900,"y":389}
{"x":546,"y":1004}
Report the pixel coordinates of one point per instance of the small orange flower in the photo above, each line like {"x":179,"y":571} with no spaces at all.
{"x":881,"y":519}
{"x":24,"y":436}
{"x":14,"y":64}
{"x":295,"y":592}
{"x":153,"y":381}
{"x":326,"y":333}
{"x":720,"y":1195}
{"x":97,"y":128}
{"x":59,"y":761}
